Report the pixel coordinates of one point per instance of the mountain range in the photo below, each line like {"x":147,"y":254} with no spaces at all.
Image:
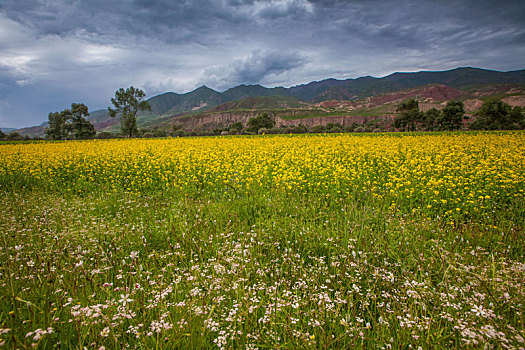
{"x":311,"y":99}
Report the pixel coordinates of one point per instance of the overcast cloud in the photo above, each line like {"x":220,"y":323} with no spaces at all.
{"x":55,"y":52}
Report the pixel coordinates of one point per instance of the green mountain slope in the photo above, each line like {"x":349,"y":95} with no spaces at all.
{"x":162,"y":103}
{"x":201,"y":98}
{"x":459,"y":78}
{"x":243,"y":91}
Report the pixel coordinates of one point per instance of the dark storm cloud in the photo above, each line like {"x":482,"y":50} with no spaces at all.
{"x":81,"y":48}
{"x":405,"y":23}
{"x":260,"y":64}
{"x":253,"y":69}
{"x":422,"y":25}
{"x":163,"y":20}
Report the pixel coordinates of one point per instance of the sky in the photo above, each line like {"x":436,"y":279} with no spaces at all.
{"x":56,"y":52}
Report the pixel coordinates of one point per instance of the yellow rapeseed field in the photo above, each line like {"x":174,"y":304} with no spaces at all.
{"x":453,"y":175}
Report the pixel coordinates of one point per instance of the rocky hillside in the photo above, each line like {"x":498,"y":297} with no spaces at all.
{"x":222,"y":120}
{"x":431,"y":96}
{"x":381,"y":108}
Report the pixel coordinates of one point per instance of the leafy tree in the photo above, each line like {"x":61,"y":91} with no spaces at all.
{"x":301,"y":129}
{"x":56,"y":129}
{"x":106,"y":135}
{"x":373,"y":125}
{"x":16,"y":136}
{"x":318,"y":129}
{"x":261,"y":121}
{"x":175,"y":128}
{"x":495,"y":114}
{"x":2,"y":135}
{"x":335,"y":130}
{"x":78,"y":126}
{"x":127,"y":104}
{"x":332,"y":125}
{"x":517,"y":118}
{"x":452,"y":116}
{"x":179,"y":133}
{"x":235,"y":127}
{"x":430,"y":118}
{"x":352,"y":127}
{"x":409,"y":115}
{"x":70,"y":124}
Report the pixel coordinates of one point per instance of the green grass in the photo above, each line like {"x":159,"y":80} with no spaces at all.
{"x":499,"y":96}
{"x":252,"y":269}
{"x":249,"y":272}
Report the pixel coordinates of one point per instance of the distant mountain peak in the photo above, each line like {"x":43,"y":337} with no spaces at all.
{"x":203,"y":88}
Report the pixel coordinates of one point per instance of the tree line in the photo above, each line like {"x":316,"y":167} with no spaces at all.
{"x":494,"y":114}
{"x":71,"y":124}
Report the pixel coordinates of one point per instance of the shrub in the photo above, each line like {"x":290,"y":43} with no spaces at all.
{"x":261,"y":121}
{"x":318,"y":129}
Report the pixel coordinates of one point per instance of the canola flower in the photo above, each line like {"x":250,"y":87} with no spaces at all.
{"x":454,"y":177}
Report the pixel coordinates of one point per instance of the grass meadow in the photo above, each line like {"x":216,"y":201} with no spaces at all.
{"x":340,"y":241}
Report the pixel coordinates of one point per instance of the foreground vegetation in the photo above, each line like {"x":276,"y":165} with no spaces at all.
{"x":311,"y":241}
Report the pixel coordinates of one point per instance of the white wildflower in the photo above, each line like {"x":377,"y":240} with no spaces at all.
{"x":124,"y":299}
{"x":478,"y":310}
{"x":105,"y":332}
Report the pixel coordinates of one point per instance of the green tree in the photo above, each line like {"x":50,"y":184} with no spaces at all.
{"x":2,"y":135}
{"x":429,"y":119}
{"x":235,"y":128}
{"x":495,"y":114}
{"x":127,"y":104}
{"x":106,"y":135}
{"x":452,"y":115}
{"x":78,"y":126}
{"x":70,"y":124}
{"x":261,"y":121}
{"x":319,"y":129}
{"x":56,"y":129}
{"x":408,"y":116}
{"x":175,"y":128}
{"x":16,"y":136}
{"x":517,"y":118}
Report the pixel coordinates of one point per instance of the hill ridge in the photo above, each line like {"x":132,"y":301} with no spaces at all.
{"x":204,"y":98}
